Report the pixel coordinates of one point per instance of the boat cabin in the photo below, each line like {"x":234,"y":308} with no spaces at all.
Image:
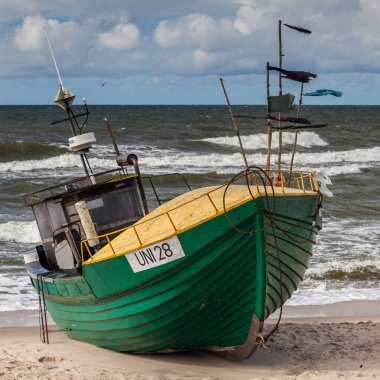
{"x":112,"y":201}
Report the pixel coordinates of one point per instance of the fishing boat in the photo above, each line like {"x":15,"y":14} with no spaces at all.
{"x":202,"y":271}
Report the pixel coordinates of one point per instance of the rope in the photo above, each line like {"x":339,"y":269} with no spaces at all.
{"x":247,"y":173}
{"x":264,"y":177}
{"x":270,"y":215}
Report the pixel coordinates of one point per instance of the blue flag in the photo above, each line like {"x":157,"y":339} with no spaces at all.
{"x":325,"y":92}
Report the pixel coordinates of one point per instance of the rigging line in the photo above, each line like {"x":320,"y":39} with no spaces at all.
{"x":234,"y":124}
{"x":275,"y":328}
{"x":295,"y":135}
{"x":88,"y":164}
{"x":52,"y":54}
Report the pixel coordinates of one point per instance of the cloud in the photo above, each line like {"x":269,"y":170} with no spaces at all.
{"x":203,"y":37}
{"x":122,"y":36}
{"x":29,"y":36}
{"x":199,"y":31}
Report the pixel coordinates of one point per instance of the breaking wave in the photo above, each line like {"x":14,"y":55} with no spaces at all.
{"x":20,"y":232}
{"x":163,"y":161}
{"x":257,"y":141}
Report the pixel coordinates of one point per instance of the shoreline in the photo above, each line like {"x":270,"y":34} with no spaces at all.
{"x":332,"y":341}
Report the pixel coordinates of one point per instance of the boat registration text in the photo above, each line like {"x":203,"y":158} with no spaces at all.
{"x":155,"y":255}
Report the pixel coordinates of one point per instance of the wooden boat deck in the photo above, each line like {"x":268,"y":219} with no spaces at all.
{"x":182,"y":213}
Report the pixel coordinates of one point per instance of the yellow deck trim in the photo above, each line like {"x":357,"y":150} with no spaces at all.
{"x":183,"y":213}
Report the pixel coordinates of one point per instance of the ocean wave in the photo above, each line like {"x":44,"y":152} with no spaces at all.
{"x":326,"y":293}
{"x":21,"y":150}
{"x":363,"y":155}
{"x":164,"y":161}
{"x":217,"y":160}
{"x":357,"y":238}
{"x":64,"y":161}
{"x":20,"y":232}
{"x":17,"y":293}
{"x":354,"y":270}
{"x":260,"y":140}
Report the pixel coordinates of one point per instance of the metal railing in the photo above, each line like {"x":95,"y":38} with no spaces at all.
{"x":75,"y":184}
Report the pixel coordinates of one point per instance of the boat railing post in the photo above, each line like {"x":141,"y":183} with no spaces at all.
{"x":137,"y":234}
{"x":312,"y":187}
{"x":302,"y":181}
{"x":88,"y":249}
{"x":209,"y":197}
{"x":110,"y":244}
{"x":171,"y":221}
{"x":81,"y":251}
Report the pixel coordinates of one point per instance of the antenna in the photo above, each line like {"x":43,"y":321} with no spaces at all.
{"x":52,"y":54}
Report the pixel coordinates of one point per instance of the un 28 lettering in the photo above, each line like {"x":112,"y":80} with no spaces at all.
{"x":157,"y":254}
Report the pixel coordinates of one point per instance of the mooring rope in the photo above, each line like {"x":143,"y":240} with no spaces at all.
{"x":269,"y":213}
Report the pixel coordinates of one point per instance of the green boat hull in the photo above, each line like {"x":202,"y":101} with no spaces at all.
{"x":215,"y":297}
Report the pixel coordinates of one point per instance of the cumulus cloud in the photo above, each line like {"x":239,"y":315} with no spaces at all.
{"x":201,"y":38}
{"x":197,"y":30}
{"x":122,"y":36}
{"x":29,"y":36}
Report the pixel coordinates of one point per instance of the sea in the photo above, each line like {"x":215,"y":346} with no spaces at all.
{"x":200,"y":144}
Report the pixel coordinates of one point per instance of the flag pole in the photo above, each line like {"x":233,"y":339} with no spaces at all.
{"x":279,"y":93}
{"x":234,"y":124}
{"x":269,"y":125}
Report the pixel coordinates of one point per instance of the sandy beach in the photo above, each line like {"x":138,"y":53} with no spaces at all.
{"x":313,"y":342}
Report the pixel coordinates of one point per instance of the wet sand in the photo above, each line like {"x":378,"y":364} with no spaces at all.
{"x":313,"y":342}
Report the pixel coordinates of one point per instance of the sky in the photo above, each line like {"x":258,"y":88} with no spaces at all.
{"x":174,"y":52}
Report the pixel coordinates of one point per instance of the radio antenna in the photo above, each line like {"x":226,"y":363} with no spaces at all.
{"x":52,"y":54}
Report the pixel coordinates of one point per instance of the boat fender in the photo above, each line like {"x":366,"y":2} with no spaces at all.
{"x":87,"y":223}
{"x":323,"y":180}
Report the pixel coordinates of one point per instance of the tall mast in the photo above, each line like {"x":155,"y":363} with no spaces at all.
{"x":279,"y":93}
{"x":65,"y":99}
{"x":269,"y":125}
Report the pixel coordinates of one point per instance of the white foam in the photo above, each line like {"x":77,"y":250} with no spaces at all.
{"x":352,"y":161}
{"x":345,"y":169}
{"x":63,"y":161}
{"x":17,"y":293}
{"x":260,"y":140}
{"x":21,"y":232}
{"x":169,"y":161}
{"x":357,"y":239}
{"x":364,"y":155}
{"x":327,"y":293}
